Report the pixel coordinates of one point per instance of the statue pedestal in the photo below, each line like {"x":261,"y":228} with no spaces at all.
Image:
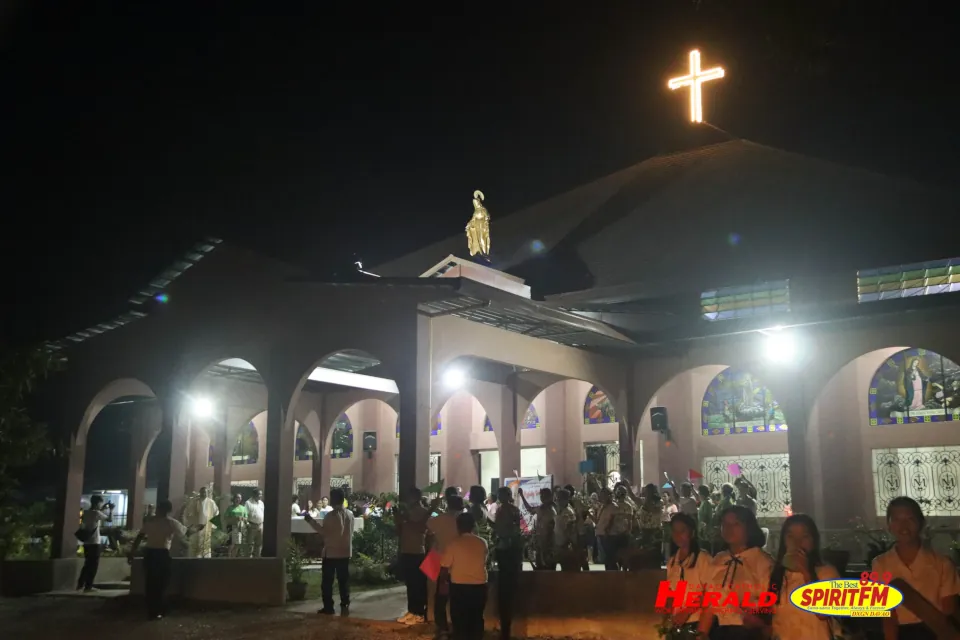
{"x":453,"y":267}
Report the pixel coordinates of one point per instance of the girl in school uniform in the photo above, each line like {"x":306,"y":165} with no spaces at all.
{"x":741,"y":568}
{"x":933,"y":575}
{"x":799,"y":563}
{"x":688,"y":563}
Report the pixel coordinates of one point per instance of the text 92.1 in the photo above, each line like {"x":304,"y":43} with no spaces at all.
{"x":873,"y":576}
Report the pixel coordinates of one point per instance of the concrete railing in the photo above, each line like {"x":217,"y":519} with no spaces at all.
{"x":222,"y":580}
{"x":28,"y":577}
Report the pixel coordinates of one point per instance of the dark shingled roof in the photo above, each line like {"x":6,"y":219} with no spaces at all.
{"x":728,"y":213}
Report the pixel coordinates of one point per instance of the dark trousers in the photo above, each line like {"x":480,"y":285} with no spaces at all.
{"x":612,"y":545}
{"x":509,"y":566}
{"x":156,"y":576}
{"x":440,"y":610}
{"x":338,"y":568}
{"x":416,"y":583}
{"x":916,"y":632}
{"x":467,"y":602}
{"x":91,"y":563}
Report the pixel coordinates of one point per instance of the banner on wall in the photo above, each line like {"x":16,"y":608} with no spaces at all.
{"x":531,"y":491}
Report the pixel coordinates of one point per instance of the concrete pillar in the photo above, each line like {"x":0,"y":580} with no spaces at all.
{"x":146,"y":426}
{"x":629,"y":426}
{"x":223,"y":458}
{"x":173,"y":472}
{"x":278,"y":480}
{"x":508,"y":435}
{"x":460,"y":468}
{"x":789,"y":388}
{"x":64,"y":544}
{"x":414,"y":378}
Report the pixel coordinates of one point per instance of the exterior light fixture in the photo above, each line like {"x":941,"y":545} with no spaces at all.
{"x":201,"y":407}
{"x":454,"y":378}
{"x":781,"y":347}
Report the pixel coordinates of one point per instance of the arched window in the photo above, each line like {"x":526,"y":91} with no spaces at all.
{"x":915,"y":385}
{"x":434,"y":430}
{"x":210,"y":455}
{"x":598,"y":409}
{"x":738,"y":402}
{"x":486,"y":424}
{"x":531,"y":420}
{"x":303,"y":449}
{"x":247,"y":449}
{"x":341,"y":442}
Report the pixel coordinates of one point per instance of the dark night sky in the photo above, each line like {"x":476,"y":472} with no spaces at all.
{"x":318,"y":134}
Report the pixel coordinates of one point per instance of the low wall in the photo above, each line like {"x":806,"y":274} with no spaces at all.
{"x":29,"y":577}
{"x":222,"y":580}
{"x":612,"y":604}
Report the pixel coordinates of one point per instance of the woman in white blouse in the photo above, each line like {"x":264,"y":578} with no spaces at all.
{"x":743,"y":567}
{"x":931,"y":574}
{"x":688,"y":563}
{"x":799,"y":563}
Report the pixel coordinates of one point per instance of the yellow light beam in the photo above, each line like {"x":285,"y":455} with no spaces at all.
{"x":694,"y":79}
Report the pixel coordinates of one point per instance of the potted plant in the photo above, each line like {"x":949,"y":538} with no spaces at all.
{"x":293,"y":565}
{"x":834,"y":555}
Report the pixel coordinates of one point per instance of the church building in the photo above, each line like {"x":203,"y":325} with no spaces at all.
{"x":783,"y":316}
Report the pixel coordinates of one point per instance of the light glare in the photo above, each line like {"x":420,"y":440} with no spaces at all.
{"x":453,"y":378}
{"x":202,"y":407}
{"x":781,"y":347}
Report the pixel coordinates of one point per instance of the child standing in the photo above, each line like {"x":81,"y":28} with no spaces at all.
{"x":743,"y":567}
{"x":799,"y":563}
{"x":934,"y":576}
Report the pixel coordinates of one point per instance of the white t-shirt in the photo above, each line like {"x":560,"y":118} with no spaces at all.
{"x":325,"y":510}
{"x":934,"y":576}
{"x":160,"y":531}
{"x":688,"y":506}
{"x":254,"y":511}
{"x":90,"y":520}
{"x":466,"y":558}
{"x":444,"y":529}
{"x":696,"y":574}
{"x":337,"y":530}
{"x":749,"y":571}
{"x":294,"y":509}
{"x":793,"y":623}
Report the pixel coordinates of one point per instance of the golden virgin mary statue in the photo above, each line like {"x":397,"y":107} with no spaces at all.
{"x":478,"y":229}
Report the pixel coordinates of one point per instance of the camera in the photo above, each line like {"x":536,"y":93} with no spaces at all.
{"x":108,"y":505}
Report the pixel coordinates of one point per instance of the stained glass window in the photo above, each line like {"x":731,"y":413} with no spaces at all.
{"x":738,"y":402}
{"x":486,"y":424}
{"x":915,"y":385}
{"x":247,"y":449}
{"x":303,"y":448}
{"x":531,"y":420}
{"x":210,"y":455}
{"x":761,"y":299}
{"x":908,"y":280}
{"x":597,"y":409}
{"x":341,"y":444}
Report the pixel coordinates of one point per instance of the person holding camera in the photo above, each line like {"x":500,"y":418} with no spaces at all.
{"x":89,"y":535}
{"x":159,"y":531}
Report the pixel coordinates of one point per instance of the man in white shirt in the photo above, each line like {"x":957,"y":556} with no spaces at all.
{"x":90,"y":530}
{"x":442,"y":530}
{"x":159,"y":531}
{"x":337,"y":531}
{"x":254,"y":531}
{"x":613,"y":525}
{"x":200,"y":514}
{"x":464,"y":576}
{"x":295,"y":507}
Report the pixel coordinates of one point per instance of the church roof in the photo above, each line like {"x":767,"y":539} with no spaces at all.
{"x":723,"y":214}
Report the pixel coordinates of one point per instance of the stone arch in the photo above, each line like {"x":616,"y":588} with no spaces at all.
{"x":372,"y":471}
{"x":109,"y":393}
{"x":855,"y":440}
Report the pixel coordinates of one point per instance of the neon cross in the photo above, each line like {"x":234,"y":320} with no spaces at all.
{"x":694,"y":79}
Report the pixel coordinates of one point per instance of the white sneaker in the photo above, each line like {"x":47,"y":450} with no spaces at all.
{"x":405,"y":618}
{"x":415,"y":620}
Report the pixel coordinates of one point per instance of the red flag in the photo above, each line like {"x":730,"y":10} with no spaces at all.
{"x":693,"y":474}
{"x":431,"y":565}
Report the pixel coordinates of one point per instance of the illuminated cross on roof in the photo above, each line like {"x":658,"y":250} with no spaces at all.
{"x":694,"y":79}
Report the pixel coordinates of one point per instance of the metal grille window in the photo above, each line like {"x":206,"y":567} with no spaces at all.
{"x":929,"y":475}
{"x":769,"y":473}
{"x":909,"y":280}
{"x":761,"y":299}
